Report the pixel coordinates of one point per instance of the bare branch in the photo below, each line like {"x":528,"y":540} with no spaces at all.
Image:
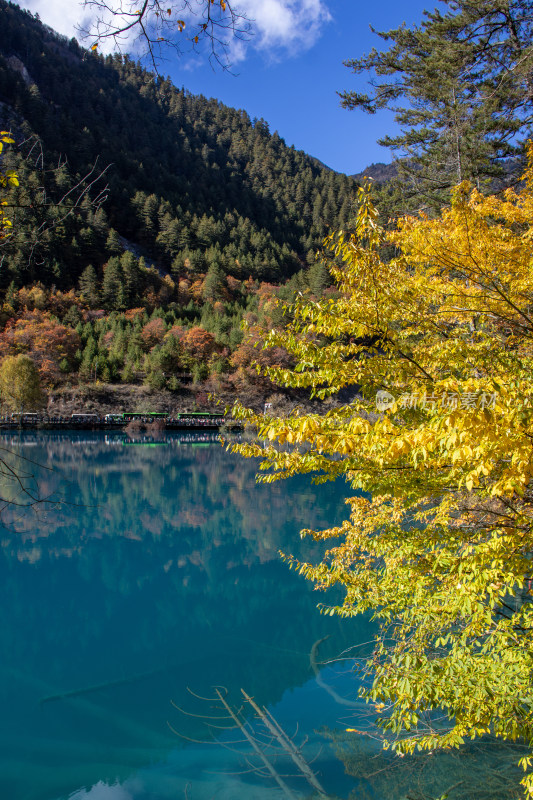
{"x":181,"y":25}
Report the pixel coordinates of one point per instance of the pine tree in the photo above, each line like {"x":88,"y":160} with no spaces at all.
{"x":88,"y":284}
{"x":113,"y":245}
{"x":113,"y":287}
{"x":318,"y":278}
{"x":461,"y":86}
{"x":132,"y":278}
{"x":88,"y":357}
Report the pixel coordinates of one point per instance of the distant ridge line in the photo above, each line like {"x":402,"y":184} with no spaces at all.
{"x":379,"y":172}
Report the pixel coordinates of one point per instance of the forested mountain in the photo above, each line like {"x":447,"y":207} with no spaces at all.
{"x":148,"y":222}
{"x":194,"y":183}
{"x":378,"y":172}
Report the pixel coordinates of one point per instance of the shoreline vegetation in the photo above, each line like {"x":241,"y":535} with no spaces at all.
{"x":102,"y":398}
{"x":168,"y":265}
{"x":139,"y":260}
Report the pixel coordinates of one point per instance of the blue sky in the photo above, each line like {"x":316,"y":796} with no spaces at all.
{"x":290,"y":71}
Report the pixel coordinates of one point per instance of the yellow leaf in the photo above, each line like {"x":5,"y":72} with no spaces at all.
{"x":434,"y":542}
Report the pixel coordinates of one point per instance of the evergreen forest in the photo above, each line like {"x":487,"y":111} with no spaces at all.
{"x":152,"y":238}
{"x":148,"y":223}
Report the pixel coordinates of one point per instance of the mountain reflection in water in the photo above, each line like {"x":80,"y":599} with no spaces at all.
{"x":158,"y":571}
{"x":153,"y":568}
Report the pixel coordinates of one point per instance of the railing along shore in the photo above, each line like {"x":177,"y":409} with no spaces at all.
{"x":113,"y":422}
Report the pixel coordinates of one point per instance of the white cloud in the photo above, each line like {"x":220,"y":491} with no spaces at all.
{"x":284,"y":27}
{"x":61,"y":15}
{"x":281,"y":27}
{"x":68,"y":17}
{"x":102,"y":791}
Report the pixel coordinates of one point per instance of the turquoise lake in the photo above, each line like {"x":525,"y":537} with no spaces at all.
{"x":149,"y":577}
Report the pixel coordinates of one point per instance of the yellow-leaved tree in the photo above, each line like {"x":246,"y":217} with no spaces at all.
{"x":7,"y":178}
{"x":20,"y":384}
{"x":438,"y":547}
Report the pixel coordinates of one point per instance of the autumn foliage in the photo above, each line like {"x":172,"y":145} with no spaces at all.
{"x":20,"y":388}
{"x":437,"y":447}
{"x":7,"y":178}
{"x":39,"y":335}
{"x":199,"y":343}
{"x":153,"y":333}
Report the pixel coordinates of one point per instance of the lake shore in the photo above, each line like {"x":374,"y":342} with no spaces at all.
{"x":104,"y":398}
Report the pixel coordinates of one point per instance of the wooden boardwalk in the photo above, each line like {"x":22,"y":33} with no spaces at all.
{"x":93,"y":422}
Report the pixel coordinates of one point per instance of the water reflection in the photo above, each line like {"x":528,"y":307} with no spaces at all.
{"x":154,"y":568}
{"x":158,"y":571}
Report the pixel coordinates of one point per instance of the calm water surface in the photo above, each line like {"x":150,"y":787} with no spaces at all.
{"x":156,"y":579}
{"x":157,"y":574}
